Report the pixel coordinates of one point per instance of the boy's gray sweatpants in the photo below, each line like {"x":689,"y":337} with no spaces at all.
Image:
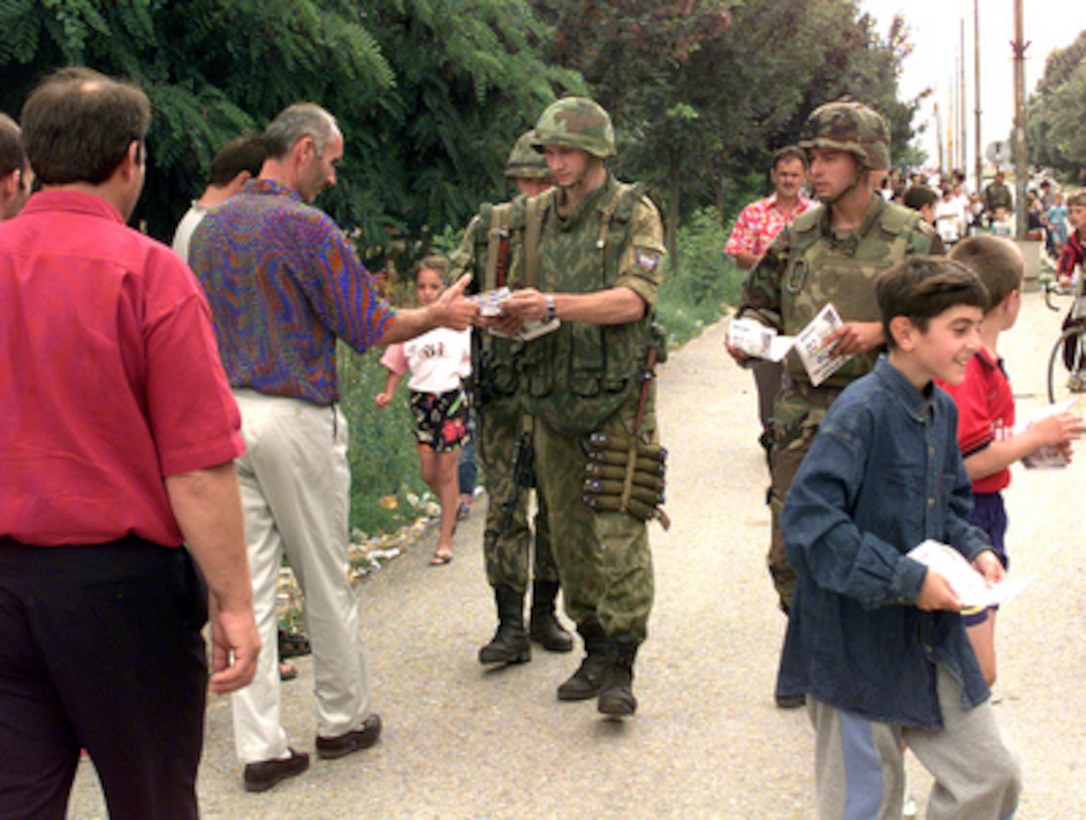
{"x":860,"y":771}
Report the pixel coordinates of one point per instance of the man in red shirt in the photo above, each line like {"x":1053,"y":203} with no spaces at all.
{"x":755,"y":229}
{"x":117,"y":446}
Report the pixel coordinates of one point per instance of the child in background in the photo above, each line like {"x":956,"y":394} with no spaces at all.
{"x":950,"y":218}
{"x":1002,"y":222}
{"x":438,"y":360}
{"x":986,"y":415}
{"x":1072,"y":254}
{"x":467,"y":475}
{"x":875,"y":639}
{"x":1057,"y":225}
{"x":923,"y":199}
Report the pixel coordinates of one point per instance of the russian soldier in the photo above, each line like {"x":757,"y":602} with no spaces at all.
{"x":830,"y":254}
{"x":595,"y":265}
{"x":485,"y":252}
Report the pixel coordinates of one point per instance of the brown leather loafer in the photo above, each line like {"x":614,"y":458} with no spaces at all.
{"x":329,"y":748}
{"x":259,"y":777}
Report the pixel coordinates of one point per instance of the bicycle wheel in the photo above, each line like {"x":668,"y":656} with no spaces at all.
{"x":1067,"y":366}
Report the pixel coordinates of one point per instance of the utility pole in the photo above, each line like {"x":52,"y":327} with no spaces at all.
{"x":939,"y":134}
{"x":979,"y":163}
{"x":961,"y":96}
{"x":1021,"y":165}
{"x":952,"y":120}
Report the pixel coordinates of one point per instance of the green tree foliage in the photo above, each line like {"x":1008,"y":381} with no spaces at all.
{"x":694,"y":295}
{"x":469,"y":81}
{"x":1056,"y":118}
{"x":430,"y":94}
{"x":702,"y":102}
{"x":639,"y":60}
{"x":212,"y":68}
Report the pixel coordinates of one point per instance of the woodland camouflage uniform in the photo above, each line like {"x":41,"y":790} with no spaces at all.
{"x":805,"y":268}
{"x":583,"y":379}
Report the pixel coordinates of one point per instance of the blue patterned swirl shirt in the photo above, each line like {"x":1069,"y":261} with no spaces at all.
{"x":283,"y":283}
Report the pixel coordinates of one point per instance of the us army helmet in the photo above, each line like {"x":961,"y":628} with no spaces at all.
{"x":524,"y":161}
{"x":577,"y":122}
{"x":849,"y":126}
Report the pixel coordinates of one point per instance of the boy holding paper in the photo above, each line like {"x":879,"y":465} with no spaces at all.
{"x":986,"y":414}
{"x":875,"y":639}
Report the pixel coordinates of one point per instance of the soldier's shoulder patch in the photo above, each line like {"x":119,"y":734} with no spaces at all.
{"x":809,"y":220}
{"x":925,"y":228}
{"x":647,"y":259}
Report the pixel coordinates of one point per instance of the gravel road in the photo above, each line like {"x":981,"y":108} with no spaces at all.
{"x":707,"y":741}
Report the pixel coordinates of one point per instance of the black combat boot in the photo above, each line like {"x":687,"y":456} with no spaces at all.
{"x":510,"y":642}
{"x":617,"y":697}
{"x":589,"y":677}
{"x":544,"y":627}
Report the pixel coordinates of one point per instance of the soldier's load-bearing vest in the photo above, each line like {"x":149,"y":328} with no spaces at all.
{"x":624,"y":474}
{"x":822,"y":270}
{"x":575,"y":378}
{"x":496,"y":230}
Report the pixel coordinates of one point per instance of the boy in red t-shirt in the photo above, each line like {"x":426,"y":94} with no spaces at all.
{"x":1075,"y":247}
{"x":986,"y":415}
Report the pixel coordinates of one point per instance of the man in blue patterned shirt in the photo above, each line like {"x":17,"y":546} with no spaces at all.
{"x":283,"y":284}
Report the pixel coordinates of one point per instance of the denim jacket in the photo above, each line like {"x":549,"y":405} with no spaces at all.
{"x":883,"y":475}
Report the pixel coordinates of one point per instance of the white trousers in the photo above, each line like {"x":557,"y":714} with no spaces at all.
{"x":295,"y":488}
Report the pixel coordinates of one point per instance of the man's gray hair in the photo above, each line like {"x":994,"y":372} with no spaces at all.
{"x":299,"y":120}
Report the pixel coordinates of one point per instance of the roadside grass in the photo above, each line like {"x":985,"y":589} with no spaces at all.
{"x":387,"y":491}
{"x":696,"y":293}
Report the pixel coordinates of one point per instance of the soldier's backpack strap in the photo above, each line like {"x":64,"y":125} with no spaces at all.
{"x":921,"y":235}
{"x":911,"y":233}
{"x":535,"y":211}
{"x":497,"y":244}
{"x":620,"y":209}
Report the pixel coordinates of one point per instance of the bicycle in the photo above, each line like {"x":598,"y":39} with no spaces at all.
{"x":1067,"y":361}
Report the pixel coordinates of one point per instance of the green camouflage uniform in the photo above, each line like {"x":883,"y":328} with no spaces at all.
{"x":507,"y":535}
{"x":584,"y":378}
{"x":997,"y":195}
{"x":805,"y":268}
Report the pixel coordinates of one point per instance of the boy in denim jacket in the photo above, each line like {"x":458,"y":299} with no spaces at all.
{"x":876,"y":640}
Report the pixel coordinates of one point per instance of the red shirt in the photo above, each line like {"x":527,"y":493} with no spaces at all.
{"x":109,"y":377}
{"x":985,"y":413}
{"x":758,"y":225}
{"x":1071,"y":255}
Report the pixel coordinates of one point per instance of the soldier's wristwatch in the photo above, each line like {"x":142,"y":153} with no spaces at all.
{"x":548,"y":313}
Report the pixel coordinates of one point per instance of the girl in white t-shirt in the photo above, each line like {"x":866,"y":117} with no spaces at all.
{"x":439,"y":360}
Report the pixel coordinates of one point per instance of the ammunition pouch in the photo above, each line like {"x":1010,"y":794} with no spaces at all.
{"x":624,"y":474}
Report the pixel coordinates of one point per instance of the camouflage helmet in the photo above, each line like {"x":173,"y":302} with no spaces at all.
{"x":849,"y":126}
{"x":524,"y":161}
{"x":577,"y":122}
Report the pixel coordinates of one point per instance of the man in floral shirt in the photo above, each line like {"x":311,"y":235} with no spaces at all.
{"x":757,"y":226}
